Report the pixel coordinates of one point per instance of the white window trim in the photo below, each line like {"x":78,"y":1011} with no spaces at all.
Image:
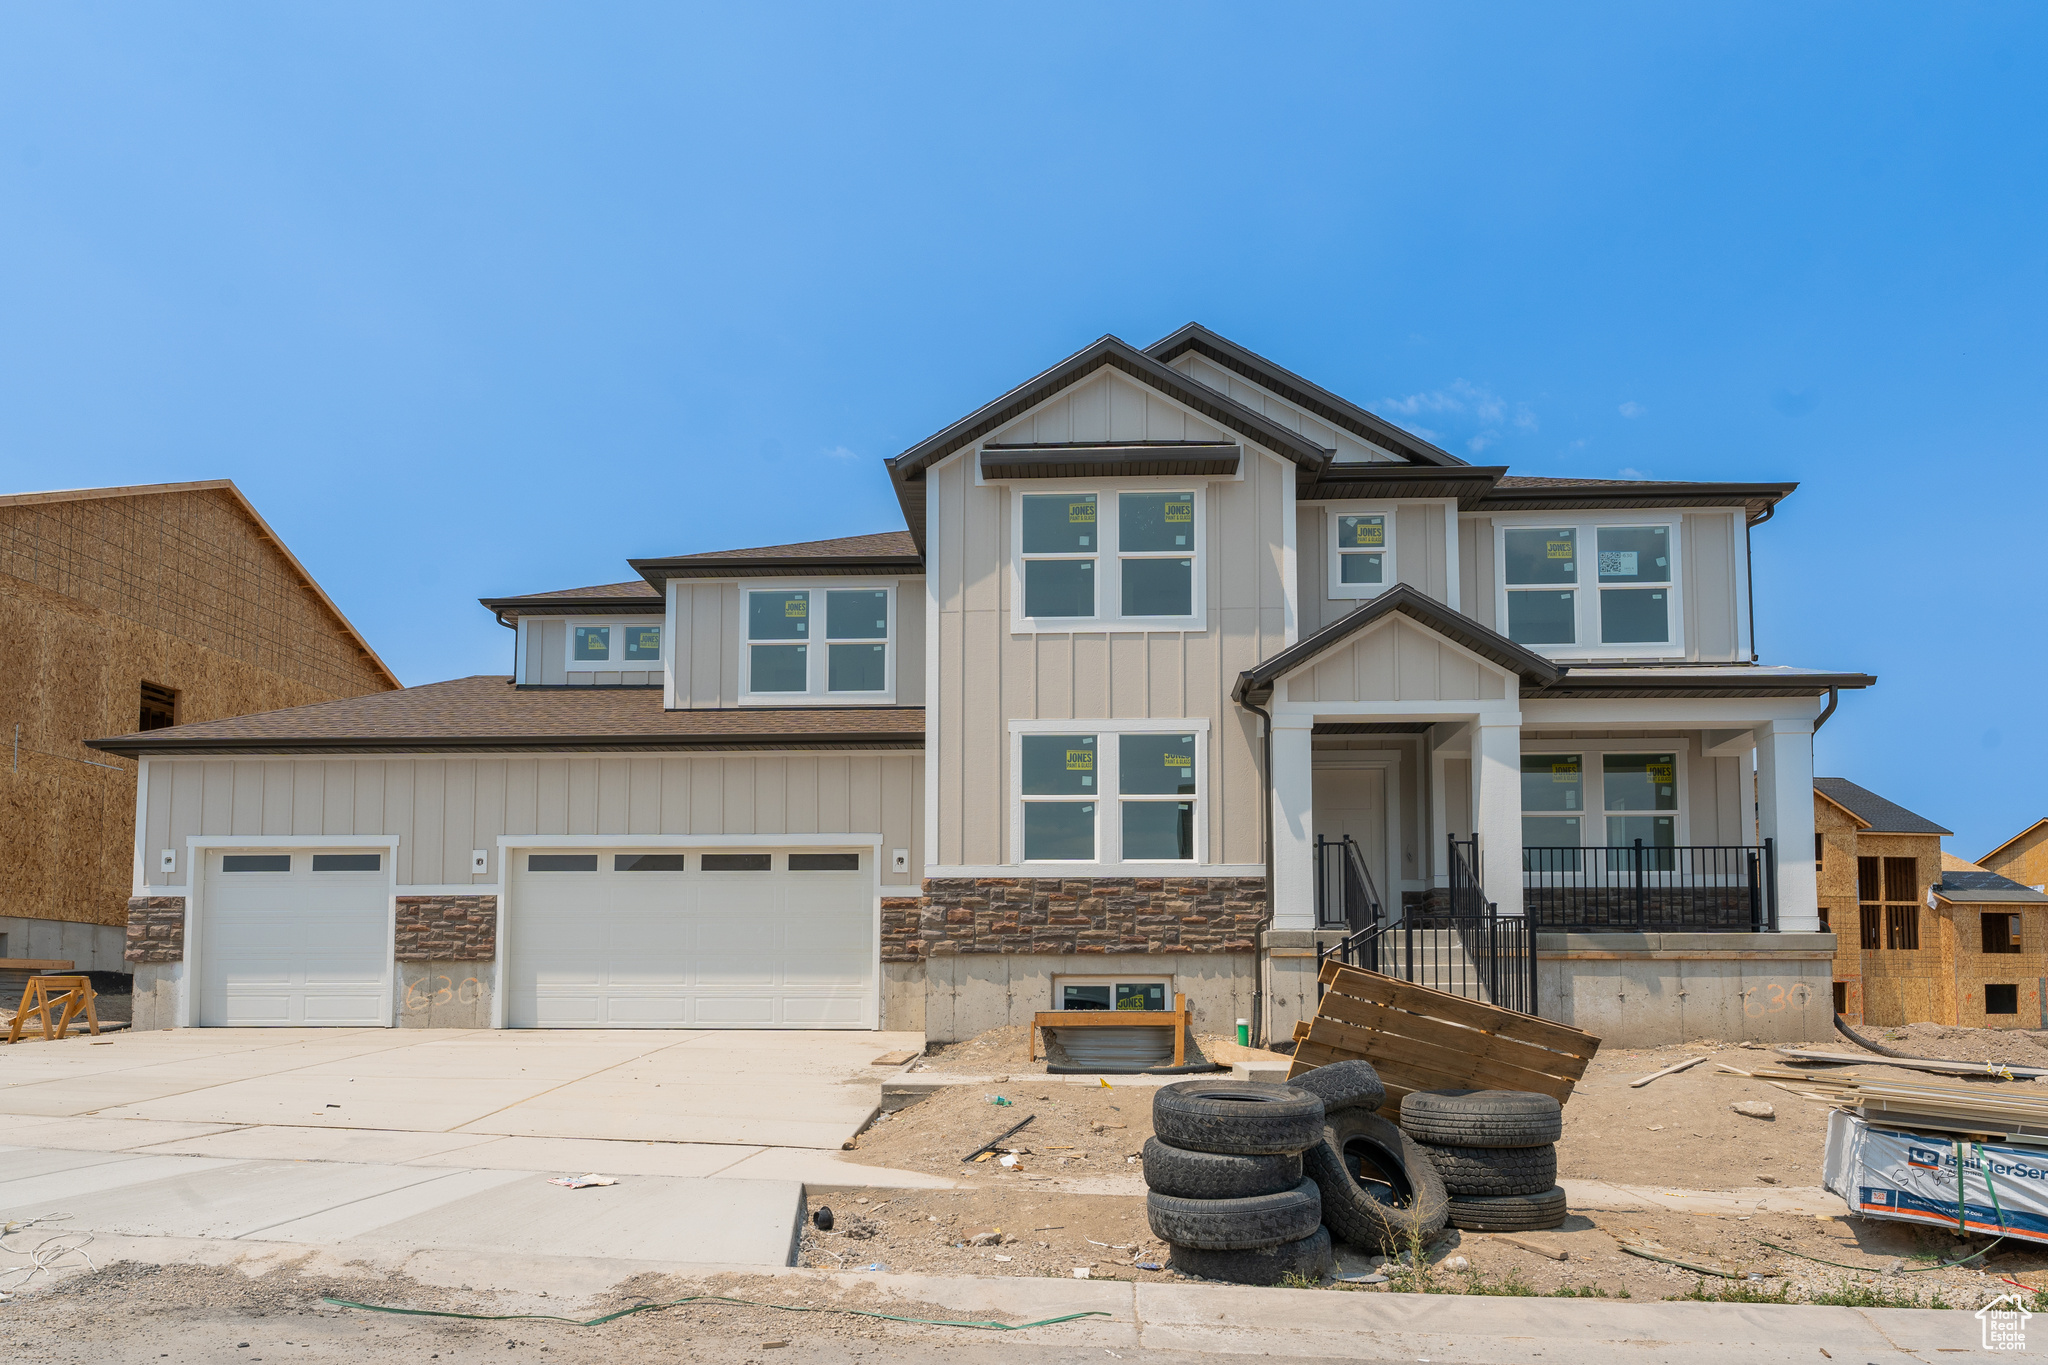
{"x":1587,"y":602}
{"x":1589,"y":752}
{"x":1332,"y":572}
{"x":616,"y":660}
{"x":816,"y":655}
{"x":1109,"y":832}
{"x":1108,"y":581}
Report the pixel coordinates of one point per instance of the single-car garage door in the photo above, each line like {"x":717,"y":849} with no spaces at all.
{"x":294,"y":937}
{"x":748,"y":938}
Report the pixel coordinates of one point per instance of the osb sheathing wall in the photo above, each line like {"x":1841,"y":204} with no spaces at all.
{"x":2024,"y":860}
{"x":2026,"y":970}
{"x":98,"y":596}
{"x":1908,"y":986}
{"x":1835,"y":884}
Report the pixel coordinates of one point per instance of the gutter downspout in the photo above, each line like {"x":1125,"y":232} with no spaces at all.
{"x":1834,"y":696}
{"x":1749,"y":577}
{"x":1243,"y":698}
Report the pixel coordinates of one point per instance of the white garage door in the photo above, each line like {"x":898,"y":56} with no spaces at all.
{"x":669,"y":939}
{"x":294,"y":937}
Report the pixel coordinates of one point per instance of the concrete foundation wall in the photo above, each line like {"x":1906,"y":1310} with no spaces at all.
{"x":969,"y":993}
{"x":445,"y":994}
{"x":156,"y":994}
{"x":1291,"y":965}
{"x":903,"y":997}
{"x":88,"y":947}
{"x":1645,"y":990}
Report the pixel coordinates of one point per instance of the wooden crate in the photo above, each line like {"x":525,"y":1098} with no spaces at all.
{"x":1423,"y":1039}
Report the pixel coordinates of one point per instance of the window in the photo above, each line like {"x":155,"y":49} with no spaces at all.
{"x":738,"y":862}
{"x":1820,"y":848}
{"x":1105,"y":993}
{"x":1841,"y":997}
{"x":1637,"y":789}
{"x":1553,"y":806}
{"x":1128,"y":796}
{"x":1590,"y":589}
{"x":1103,"y":557}
{"x":611,"y":645}
{"x":256,"y":862}
{"x":1361,"y":550}
{"x":561,"y":862}
{"x":1637,"y":800}
{"x":824,"y":862}
{"x":159,"y":707}
{"x":1060,"y":797}
{"x":348,"y":862}
{"x":2002,"y":999}
{"x":848,"y":659}
{"x":1870,"y":921}
{"x":1825,"y":916}
{"x":650,"y":862}
{"x":1888,"y":892}
{"x":2001,"y":932}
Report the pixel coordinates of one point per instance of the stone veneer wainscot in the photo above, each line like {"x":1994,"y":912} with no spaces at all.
{"x":1075,"y":915}
{"x":447,"y":929}
{"x":156,"y":929}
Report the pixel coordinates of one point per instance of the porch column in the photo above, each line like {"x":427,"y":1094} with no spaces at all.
{"x":1784,"y":799}
{"x":1294,"y":824}
{"x":1497,"y":775}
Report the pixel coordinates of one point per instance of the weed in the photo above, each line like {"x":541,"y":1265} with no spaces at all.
{"x":1849,"y":1295}
{"x":1294,"y":1279}
{"x":1739,"y":1291}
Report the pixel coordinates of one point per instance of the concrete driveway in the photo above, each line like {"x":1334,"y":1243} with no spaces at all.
{"x":396,"y":1140}
{"x":760,"y":1089}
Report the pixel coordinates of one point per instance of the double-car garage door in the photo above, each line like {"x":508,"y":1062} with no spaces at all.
{"x":655,"y":938}
{"x":751,"y":938}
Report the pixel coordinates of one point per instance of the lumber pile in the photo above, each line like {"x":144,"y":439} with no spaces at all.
{"x":2011,"y":1111}
{"x":1423,"y":1039}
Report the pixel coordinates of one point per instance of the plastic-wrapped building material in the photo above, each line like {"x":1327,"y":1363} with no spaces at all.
{"x":1937,"y":1180}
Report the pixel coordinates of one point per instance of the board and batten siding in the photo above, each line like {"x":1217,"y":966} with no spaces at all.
{"x":1420,"y":559}
{"x":710,"y":617}
{"x":440,"y":808}
{"x":1396,"y":660}
{"x":989,"y":676}
{"x":1710,"y":562}
{"x":546,"y":641}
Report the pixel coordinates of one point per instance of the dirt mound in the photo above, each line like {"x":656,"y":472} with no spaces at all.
{"x":1078,"y":1130}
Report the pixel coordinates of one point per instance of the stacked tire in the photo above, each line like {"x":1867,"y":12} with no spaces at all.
{"x":1496,"y":1153}
{"x":1224,"y":1181}
{"x":1380,"y":1190}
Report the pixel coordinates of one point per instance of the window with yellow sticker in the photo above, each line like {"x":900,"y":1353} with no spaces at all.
{"x":1127,"y":797}
{"x":1361,"y":551}
{"x":827,"y":643}
{"x":1080,"y":560}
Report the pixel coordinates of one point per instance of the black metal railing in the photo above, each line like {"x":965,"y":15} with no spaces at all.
{"x":1457,"y":942}
{"x":1346,"y":897}
{"x":1642,"y":888}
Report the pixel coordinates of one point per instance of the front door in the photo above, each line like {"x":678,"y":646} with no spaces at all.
{"x":1353,"y":801}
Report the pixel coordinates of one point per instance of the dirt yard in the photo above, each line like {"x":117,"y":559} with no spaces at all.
{"x":1073,"y":1197}
{"x":130,"y":1314}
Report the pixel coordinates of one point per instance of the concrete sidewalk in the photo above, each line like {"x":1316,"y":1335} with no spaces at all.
{"x":351,"y":1207}
{"x":1203,"y":1319}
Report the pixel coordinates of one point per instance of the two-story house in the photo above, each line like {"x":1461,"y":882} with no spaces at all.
{"x":1162,"y":620}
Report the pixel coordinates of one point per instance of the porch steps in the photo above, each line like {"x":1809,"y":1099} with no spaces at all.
{"x":1440,"y":958}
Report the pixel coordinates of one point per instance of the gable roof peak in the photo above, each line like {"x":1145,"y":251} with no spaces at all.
{"x":1303,"y":393}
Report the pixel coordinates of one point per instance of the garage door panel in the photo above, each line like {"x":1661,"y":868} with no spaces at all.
{"x":668,"y":949}
{"x":297,"y":947}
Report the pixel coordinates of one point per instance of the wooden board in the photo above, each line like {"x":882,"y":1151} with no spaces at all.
{"x":1178,"y":1019}
{"x":1423,"y":1039}
{"x":1936,"y":1065}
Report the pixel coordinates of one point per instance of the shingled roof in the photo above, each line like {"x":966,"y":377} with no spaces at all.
{"x":488,"y":714}
{"x":1885,"y":817}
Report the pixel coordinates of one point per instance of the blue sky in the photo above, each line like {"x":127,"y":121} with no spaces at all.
{"x":483,"y":299}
